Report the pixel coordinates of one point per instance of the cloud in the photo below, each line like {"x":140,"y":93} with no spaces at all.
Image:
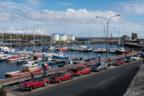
{"x":20,"y":11}
{"x":79,"y":22}
{"x":71,"y":21}
{"x":10,"y":11}
{"x":137,"y":8}
{"x":69,"y":15}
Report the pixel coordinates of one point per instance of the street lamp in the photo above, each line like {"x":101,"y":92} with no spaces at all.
{"x":107,"y":20}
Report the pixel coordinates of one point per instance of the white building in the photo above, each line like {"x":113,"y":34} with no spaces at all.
{"x":63,"y":37}
{"x":70,"y":38}
{"x":73,"y":38}
{"x":55,"y":37}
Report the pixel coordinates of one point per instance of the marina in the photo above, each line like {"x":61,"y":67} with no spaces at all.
{"x":58,"y":62}
{"x":71,"y":48}
{"x":8,"y":66}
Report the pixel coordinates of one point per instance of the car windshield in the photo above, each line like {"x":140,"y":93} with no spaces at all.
{"x":52,"y":77}
{"x":74,"y":70}
{"x":98,"y":64}
{"x":38,"y":79}
{"x":59,"y":74}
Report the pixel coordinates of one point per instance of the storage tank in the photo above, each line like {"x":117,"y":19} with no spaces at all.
{"x":55,"y":37}
{"x":69,"y":38}
{"x":63,"y":37}
{"x":73,"y":38}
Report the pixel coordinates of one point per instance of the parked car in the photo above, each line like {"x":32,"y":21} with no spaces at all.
{"x":59,"y":77}
{"x":135,"y":58}
{"x":30,"y":85}
{"x":120,"y":62}
{"x":81,"y":71}
{"x":99,"y":66}
{"x":128,"y":59}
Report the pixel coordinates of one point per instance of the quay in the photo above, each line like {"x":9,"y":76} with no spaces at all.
{"x":135,"y":45}
{"x":111,"y":82}
{"x":15,"y":80}
{"x":17,"y":40}
{"x":136,"y":88}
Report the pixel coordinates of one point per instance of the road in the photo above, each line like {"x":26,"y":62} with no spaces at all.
{"x":112,"y":82}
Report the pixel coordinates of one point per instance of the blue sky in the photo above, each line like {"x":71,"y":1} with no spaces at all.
{"x":76,"y":17}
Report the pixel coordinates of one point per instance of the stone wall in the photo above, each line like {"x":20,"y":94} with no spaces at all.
{"x":137,"y":86}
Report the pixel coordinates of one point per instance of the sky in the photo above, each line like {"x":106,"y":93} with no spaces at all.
{"x":72,"y":17}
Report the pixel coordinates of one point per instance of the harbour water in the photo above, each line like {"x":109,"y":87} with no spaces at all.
{"x":8,"y":67}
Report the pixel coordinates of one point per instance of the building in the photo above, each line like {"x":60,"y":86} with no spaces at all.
{"x":134,"y":36}
{"x":124,"y":39}
{"x":55,"y":37}
{"x":62,"y":38}
{"x":70,"y":38}
{"x":73,"y":38}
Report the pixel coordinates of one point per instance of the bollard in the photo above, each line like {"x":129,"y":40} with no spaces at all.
{"x":3,"y":91}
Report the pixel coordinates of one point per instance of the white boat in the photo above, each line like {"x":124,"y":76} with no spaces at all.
{"x":26,"y":69}
{"x":100,"y":50}
{"x":7,"y":49}
{"x":14,"y":58}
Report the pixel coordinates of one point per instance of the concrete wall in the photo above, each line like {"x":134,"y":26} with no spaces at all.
{"x":137,"y":86}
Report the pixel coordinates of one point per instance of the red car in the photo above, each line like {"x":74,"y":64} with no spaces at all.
{"x":81,"y":71}
{"x":120,"y":62}
{"x":30,"y":85}
{"x":59,"y":77}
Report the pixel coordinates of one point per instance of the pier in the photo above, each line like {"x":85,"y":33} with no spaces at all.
{"x":134,"y":45}
{"x":71,"y":48}
{"x":15,"y":80}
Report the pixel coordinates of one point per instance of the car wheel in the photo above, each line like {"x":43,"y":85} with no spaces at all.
{"x":45,"y":84}
{"x":80,"y":74}
{"x":59,"y":81}
{"x":30,"y":88}
{"x":105,"y":68}
{"x":98,"y":70}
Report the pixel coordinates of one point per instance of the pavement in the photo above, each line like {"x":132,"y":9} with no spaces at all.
{"x":137,"y":86}
{"x":11,"y":94}
{"x":113,"y":82}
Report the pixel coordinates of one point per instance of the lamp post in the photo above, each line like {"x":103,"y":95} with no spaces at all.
{"x":107,"y":20}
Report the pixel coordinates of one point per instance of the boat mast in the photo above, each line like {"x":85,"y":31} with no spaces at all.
{"x":11,"y":38}
{"x":26,"y":39}
{"x":25,"y":35}
{"x":3,"y":37}
{"x":41,"y":42}
{"x":34,"y":38}
{"x":51,"y":42}
{"x":37,"y":32}
{"x":51,"y":39}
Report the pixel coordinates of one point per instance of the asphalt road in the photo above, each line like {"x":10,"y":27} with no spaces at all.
{"x":113,"y":82}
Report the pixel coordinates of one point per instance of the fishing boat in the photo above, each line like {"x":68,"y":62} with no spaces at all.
{"x":31,"y":67}
{"x":84,"y":49}
{"x":63,"y":49}
{"x":7,"y":49}
{"x":120,"y":51}
{"x":100,"y":50}
{"x":112,"y":50}
{"x":59,"y":56}
{"x":14,"y":58}
{"x":3,"y":56}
